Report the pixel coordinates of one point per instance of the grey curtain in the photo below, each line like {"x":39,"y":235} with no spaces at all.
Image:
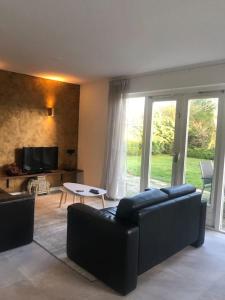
{"x":115,"y":165}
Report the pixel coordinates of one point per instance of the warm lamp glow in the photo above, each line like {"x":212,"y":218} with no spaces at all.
{"x":60,"y":77}
{"x":3,"y":65}
{"x":54,"y":77}
{"x":50,"y":126}
{"x":50,"y":100}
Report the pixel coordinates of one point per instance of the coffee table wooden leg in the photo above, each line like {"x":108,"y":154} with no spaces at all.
{"x":65,"y":197}
{"x":61,"y":199}
{"x":74,"y":197}
{"x":103,"y":201}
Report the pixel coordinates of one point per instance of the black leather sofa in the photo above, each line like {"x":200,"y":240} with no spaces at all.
{"x":16,"y":220}
{"x":118,"y":244}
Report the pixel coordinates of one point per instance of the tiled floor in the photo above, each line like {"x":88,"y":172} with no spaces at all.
{"x":31,"y":273}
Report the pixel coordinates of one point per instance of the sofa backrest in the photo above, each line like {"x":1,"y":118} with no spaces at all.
{"x":128,"y":207}
{"x":166,"y":228}
{"x":179,"y":190}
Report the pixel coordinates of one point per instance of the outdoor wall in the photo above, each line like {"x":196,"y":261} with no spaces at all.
{"x":92,"y":130}
{"x":23,"y":115}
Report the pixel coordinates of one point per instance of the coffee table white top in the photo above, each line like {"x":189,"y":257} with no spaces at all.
{"x":83,"y":190}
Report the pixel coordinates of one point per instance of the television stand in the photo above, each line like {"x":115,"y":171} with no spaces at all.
{"x":32,"y":173}
{"x":39,"y":172}
{"x":58,"y":172}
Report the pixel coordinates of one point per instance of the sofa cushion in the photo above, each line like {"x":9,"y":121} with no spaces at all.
{"x":128,"y":206}
{"x":179,"y":190}
{"x":111,"y":210}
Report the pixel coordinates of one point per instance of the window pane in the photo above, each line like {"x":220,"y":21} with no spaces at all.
{"x":134,"y":135}
{"x":161,"y":159}
{"x":201,"y":144}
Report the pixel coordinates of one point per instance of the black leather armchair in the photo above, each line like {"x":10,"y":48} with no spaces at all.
{"x":118,"y":244}
{"x":16,"y":220}
{"x":105,"y":247}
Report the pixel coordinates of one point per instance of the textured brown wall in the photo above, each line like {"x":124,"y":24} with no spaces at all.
{"x":24,"y":120}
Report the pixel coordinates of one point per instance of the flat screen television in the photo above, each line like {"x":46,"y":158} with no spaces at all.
{"x":39,"y":159}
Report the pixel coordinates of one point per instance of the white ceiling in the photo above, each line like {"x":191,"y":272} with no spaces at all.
{"x":79,"y":40}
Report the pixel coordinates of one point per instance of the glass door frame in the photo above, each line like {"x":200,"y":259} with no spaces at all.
{"x":219,"y":165}
{"x":214,"y":211}
{"x":180,"y":146}
{"x":147,"y":140}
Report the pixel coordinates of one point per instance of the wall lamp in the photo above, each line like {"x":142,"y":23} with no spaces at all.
{"x":51,"y":112}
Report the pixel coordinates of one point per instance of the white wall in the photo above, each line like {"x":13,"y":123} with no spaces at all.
{"x":94,"y":106}
{"x":195,"y":76}
{"x":92,"y":130}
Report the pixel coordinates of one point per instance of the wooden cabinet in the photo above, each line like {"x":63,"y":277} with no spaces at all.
{"x":56,"y":178}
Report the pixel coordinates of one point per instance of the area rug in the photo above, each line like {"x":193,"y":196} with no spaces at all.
{"x":50,"y":227}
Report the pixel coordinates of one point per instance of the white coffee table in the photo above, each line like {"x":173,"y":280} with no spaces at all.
{"x":83,"y":191}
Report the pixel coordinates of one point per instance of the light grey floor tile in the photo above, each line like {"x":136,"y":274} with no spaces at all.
{"x":30,"y":272}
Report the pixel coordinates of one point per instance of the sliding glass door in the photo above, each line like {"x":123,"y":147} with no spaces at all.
{"x":162,"y":143}
{"x":200,"y":148}
{"x":134,"y":136}
{"x":150,"y":140}
{"x":201,"y":141}
{"x":175,"y":140}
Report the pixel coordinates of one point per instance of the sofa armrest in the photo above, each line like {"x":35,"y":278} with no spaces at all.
{"x":105,"y":247}
{"x":16,"y":221}
{"x":201,"y":236}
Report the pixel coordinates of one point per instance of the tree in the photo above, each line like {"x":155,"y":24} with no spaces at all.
{"x":163,"y":130}
{"x":201,"y":129}
{"x":202,"y":126}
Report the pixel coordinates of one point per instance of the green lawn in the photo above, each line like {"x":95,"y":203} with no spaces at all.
{"x":161,"y":168}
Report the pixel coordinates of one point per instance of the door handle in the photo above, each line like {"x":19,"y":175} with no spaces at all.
{"x":176,"y":157}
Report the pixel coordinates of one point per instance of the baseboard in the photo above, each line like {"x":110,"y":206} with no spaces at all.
{"x":52,"y":190}
{"x":17,"y":193}
{"x":55,"y":189}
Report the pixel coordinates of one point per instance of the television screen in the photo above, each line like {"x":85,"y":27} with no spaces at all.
{"x":39,"y":159}
{"x":50,"y":158}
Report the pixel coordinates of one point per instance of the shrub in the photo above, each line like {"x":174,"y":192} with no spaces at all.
{"x":201,"y":153}
{"x":156,"y":148}
{"x":161,"y":147}
{"x":134,"y":148}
